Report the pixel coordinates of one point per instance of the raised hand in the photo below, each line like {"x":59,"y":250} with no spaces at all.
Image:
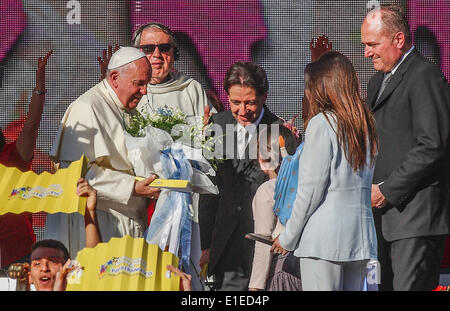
{"x":26,"y":141}
{"x":321,"y":46}
{"x":292,"y":128}
{"x":40,"y":72}
{"x":61,"y":276}
{"x":103,"y":60}
{"x":92,"y":229}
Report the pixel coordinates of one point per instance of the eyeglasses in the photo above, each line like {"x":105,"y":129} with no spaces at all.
{"x":150,"y":48}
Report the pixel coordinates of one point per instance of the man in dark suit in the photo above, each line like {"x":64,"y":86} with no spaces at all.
{"x":226,"y":218}
{"x":410,"y":100}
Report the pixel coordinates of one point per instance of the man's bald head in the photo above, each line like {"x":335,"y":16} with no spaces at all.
{"x":391,"y":19}
{"x":386,"y":37}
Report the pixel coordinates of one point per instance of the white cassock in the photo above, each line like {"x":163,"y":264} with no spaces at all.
{"x":187,"y":95}
{"x":93,"y":125}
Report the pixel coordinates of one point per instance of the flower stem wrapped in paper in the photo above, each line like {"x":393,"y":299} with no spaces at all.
{"x":167,"y":143}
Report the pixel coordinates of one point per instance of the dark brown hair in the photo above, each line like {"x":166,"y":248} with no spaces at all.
{"x":247,"y":74}
{"x":49,"y":243}
{"x":333,"y":87}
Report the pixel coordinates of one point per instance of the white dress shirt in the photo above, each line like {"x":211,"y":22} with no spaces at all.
{"x":242,"y":141}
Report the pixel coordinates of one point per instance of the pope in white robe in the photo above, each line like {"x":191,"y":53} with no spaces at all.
{"x":93,"y":125}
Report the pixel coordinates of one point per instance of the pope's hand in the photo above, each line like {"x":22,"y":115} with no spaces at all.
{"x":141,"y":188}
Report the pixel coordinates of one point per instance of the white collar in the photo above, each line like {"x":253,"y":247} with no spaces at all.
{"x":114,"y":97}
{"x":402,"y":59}
{"x":252,"y":127}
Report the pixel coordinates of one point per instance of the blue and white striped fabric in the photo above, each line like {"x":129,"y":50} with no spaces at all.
{"x":286,"y":186}
{"x":173,"y":220}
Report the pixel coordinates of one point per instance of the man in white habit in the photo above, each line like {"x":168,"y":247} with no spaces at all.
{"x":93,"y":125}
{"x":175,"y":90}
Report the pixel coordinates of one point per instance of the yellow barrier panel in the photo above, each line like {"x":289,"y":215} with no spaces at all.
{"x":52,"y":193}
{"x":124,"y":264}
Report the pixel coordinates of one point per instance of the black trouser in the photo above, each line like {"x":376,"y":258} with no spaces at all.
{"x":411,"y":264}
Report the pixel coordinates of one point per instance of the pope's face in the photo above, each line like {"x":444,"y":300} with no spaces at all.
{"x":380,"y":46}
{"x":132,"y":83}
{"x":245,"y":105}
{"x":160,"y":58}
{"x":43,"y":270}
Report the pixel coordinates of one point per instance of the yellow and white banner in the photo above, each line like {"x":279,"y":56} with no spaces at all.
{"x":52,"y":193}
{"x":124,"y":264}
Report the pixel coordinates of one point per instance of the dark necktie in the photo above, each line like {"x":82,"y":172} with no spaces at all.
{"x":386,"y":79}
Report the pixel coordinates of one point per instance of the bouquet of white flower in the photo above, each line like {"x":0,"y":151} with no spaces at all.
{"x":163,"y":118}
{"x":167,"y":143}
{"x":188,"y":131}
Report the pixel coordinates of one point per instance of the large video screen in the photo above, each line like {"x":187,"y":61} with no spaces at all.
{"x":211,"y":35}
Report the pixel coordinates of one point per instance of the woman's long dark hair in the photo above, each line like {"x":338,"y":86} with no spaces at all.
{"x":332,"y":86}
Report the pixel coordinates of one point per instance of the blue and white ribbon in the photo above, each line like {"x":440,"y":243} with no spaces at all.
{"x":172,"y":222}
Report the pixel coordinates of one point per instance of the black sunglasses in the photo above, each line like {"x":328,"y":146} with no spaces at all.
{"x":150,"y":48}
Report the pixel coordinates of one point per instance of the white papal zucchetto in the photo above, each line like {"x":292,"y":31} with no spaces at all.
{"x":123,"y":56}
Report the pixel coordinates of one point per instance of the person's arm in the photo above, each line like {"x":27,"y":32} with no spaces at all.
{"x":207,"y":207}
{"x":429,"y":102}
{"x":206,"y":217}
{"x":93,"y":235}
{"x":264,"y":223}
{"x":9,"y":156}
{"x":26,"y":141}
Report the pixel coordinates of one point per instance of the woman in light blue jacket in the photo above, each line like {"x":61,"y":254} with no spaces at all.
{"x":331,"y":227}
